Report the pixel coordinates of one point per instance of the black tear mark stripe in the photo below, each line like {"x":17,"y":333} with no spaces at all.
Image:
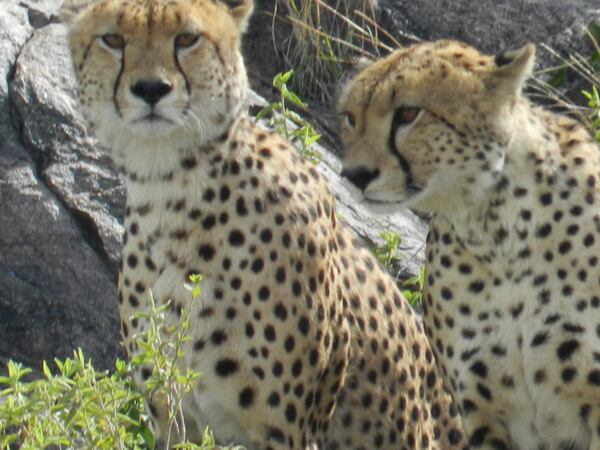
{"x":117,"y":83}
{"x":188,"y":89}
{"x":404,"y":164}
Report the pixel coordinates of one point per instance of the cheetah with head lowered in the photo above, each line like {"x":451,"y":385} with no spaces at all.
{"x":512,"y":294}
{"x":301,"y":339}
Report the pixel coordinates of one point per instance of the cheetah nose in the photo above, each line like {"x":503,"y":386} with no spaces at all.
{"x":360,"y":176}
{"x":151,"y":91}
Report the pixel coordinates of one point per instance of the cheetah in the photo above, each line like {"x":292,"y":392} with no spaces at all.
{"x":301,"y":339}
{"x":512,"y":291}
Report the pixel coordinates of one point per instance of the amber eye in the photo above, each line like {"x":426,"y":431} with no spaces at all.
{"x":114,"y":41}
{"x":349,"y":120}
{"x":405,"y":115}
{"x":186,"y":40}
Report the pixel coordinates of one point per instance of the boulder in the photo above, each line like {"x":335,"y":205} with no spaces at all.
{"x":494,"y":26}
{"x":56,"y":290}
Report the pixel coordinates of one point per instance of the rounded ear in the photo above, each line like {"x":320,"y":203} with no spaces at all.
{"x":512,"y":70}
{"x":70,"y":9}
{"x":240,"y":10}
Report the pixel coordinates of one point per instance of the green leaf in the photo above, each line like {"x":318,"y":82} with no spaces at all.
{"x":281,"y":78}
{"x":46,"y":370}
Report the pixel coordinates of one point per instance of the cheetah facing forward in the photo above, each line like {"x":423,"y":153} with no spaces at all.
{"x":512,"y":292}
{"x":302,"y":341}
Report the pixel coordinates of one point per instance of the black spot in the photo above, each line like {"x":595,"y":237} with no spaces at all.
{"x":209,"y":222}
{"x":280,"y":311}
{"x":476,"y":286}
{"x":478,"y":436}
{"x":266,"y":236}
{"x":454,"y":436}
{"x":236,"y":238}
{"x":303,"y":325}
{"x":132,"y":261}
{"x":189,"y":163}
{"x":264,"y":293}
{"x":224,"y":194}
{"x":539,"y":339}
{"x":226,"y":367}
{"x":446,"y":293}
{"x":544,"y":230}
{"x":546,"y":198}
{"x":479,"y":369}
{"x":218,"y":337}
{"x":290,"y":413}
{"x":568,"y":373}
{"x":594,"y":377}
{"x":206,"y":252}
{"x":240,"y":207}
{"x":257,"y":265}
{"x":484,"y":391}
{"x":269,"y":333}
{"x":246,"y":397}
{"x":566,"y":349}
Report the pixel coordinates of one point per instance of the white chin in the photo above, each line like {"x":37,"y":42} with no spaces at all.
{"x":152,"y":128}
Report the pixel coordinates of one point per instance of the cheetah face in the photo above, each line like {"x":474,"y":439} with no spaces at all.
{"x":149,"y":69}
{"x":430,"y":122}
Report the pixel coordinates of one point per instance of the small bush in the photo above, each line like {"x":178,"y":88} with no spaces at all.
{"x":74,"y":406}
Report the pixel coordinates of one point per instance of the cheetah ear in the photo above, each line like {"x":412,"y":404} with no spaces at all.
{"x":512,"y":70}
{"x":70,"y":9}
{"x":240,"y":10}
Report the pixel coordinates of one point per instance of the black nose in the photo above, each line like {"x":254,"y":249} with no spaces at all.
{"x":360,"y":176}
{"x":151,"y":91}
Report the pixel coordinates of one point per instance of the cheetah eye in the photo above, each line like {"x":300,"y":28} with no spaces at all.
{"x":113,"y":41}
{"x":186,"y":40}
{"x":349,"y":120}
{"x":405,"y":115}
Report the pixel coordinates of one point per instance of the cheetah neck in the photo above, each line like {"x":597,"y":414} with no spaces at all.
{"x":537,"y":168}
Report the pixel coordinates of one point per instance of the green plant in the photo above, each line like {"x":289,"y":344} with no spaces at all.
{"x":586,"y":68}
{"x":413,"y":288}
{"x":325,"y":37}
{"x":386,"y":253}
{"x":594,"y":104}
{"x":287,"y":122}
{"x":78,"y":407}
{"x":388,"y":250}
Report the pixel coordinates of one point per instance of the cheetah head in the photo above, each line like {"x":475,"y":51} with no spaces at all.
{"x":149,"y":70}
{"x":430,"y":122}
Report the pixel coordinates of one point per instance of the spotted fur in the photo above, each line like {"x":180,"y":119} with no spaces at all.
{"x":303,"y":342}
{"x":512,"y":293}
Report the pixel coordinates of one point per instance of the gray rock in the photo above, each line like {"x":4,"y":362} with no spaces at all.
{"x":494,"y":26}
{"x":41,"y":12}
{"x":56,"y":291}
{"x":45,"y":104}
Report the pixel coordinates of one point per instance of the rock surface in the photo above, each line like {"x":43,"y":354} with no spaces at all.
{"x":56,"y":290}
{"x":61,"y":201}
{"x":494,"y":26}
